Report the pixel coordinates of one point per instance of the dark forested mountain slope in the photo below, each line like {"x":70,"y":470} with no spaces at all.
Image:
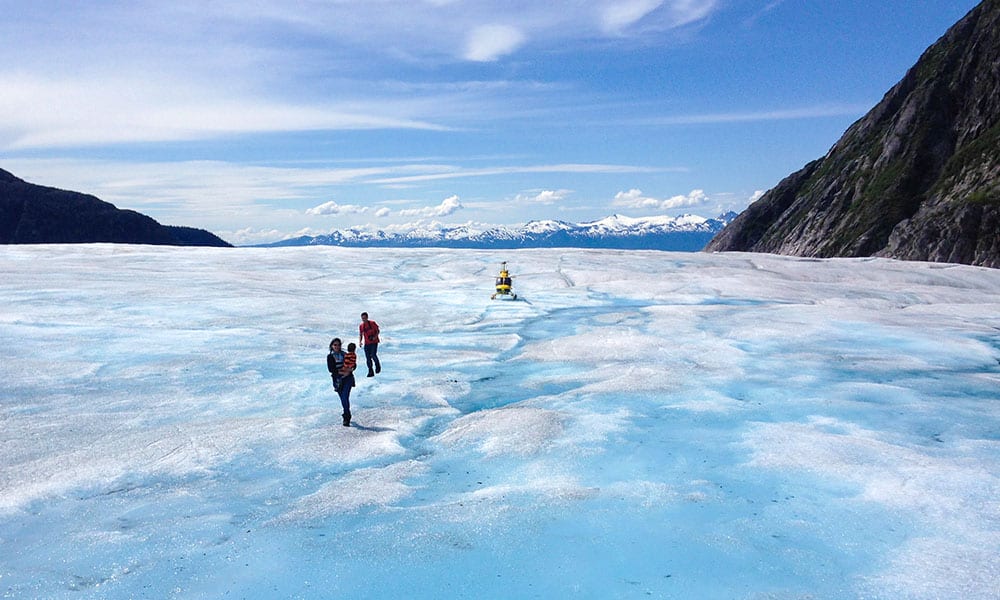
{"x":34,"y":214}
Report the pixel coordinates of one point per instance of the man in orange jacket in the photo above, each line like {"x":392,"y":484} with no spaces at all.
{"x":368,"y":337}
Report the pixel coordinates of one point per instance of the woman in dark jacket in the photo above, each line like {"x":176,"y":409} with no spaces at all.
{"x":341,"y":366}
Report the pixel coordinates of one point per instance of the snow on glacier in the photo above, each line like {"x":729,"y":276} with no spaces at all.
{"x":642,"y":424}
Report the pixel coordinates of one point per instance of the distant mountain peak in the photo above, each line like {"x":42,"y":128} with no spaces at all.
{"x":685,"y":233}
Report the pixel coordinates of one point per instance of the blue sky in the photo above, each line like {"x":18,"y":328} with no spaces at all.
{"x":260,"y":120}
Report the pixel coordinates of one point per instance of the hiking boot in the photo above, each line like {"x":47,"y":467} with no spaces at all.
{"x":371,"y":373}
{"x":378,"y":368}
{"x":347,"y":419}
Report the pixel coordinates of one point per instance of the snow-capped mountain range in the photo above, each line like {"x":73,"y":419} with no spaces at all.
{"x":684,"y":233}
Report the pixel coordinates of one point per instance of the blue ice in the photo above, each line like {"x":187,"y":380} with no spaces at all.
{"x":641,"y":424}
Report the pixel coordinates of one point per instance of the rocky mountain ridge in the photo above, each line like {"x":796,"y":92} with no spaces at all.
{"x":917,"y":178}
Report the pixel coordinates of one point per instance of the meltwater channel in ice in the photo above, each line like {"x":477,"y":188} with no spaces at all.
{"x":638,"y":424}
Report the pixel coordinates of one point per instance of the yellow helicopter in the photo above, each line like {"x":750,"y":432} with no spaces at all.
{"x":505,"y":291}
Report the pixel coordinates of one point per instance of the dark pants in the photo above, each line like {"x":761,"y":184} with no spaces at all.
{"x":371,"y":356}
{"x":346,"y":383}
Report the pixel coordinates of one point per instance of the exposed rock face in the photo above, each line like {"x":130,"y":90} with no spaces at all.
{"x":917,"y":178}
{"x":34,"y":214}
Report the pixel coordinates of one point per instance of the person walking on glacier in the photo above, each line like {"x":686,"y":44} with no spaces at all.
{"x":341,"y":366}
{"x":334,"y":362}
{"x":368,"y":338}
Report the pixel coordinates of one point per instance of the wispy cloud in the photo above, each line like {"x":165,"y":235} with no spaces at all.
{"x":215,"y":182}
{"x":473,"y":31}
{"x":217,"y":194}
{"x":234,"y":184}
{"x":45,"y":113}
{"x":387,"y":106}
{"x":617,"y":16}
{"x":153,"y":71}
{"x":787,"y":114}
{"x":454,"y":172}
{"x":769,"y":7}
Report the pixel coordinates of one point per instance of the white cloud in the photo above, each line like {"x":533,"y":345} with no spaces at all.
{"x":308,"y":231}
{"x":789,"y":114}
{"x":634,"y":198}
{"x":382,"y":212}
{"x":250,"y":235}
{"x":188,"y":70}
{"x":448,"y":206}
{"x":694,"y":198}
{"x":489,"y":42}
{"x":215,"y":191}
{"x":544,"y":196}
{"x":618,"y":17}
{"x":332,"y":208}
{"x":448,"y":172}
{"x":200,"y":184}
{"x":42,"y":112}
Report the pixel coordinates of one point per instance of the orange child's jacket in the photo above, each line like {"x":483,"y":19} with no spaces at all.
{"x":350,"y":363}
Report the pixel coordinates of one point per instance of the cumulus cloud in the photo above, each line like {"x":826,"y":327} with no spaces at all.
{"x":448,"y":206}
{"x":332,"y":208}
{"x":634,"y":198}
{"x":544,"y":196}
{"x":487,"y":43}
{"x":251,"y":235}
{"x":694,"y":198}
{"x":382,"y":212}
